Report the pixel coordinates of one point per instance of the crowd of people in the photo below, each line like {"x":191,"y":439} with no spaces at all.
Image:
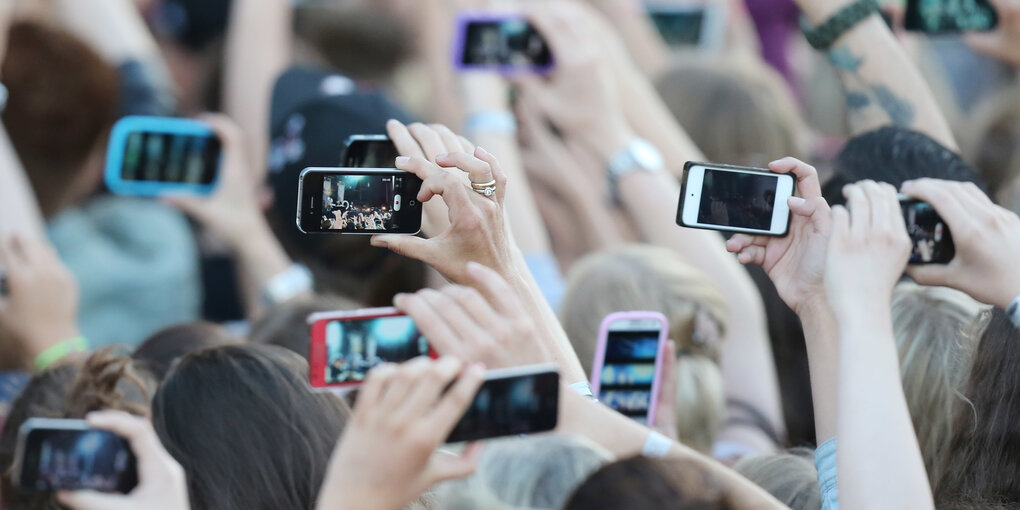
{"x":814,"y":370}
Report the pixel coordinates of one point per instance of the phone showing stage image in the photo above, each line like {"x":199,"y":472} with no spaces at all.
{"x":950,"y":16}
{"x":735,"y":199}
{"x":369,"y":151}
{"x":930,"y":236}
{"x":152,"y":156}
{"x":513,"y":401}
{"x":358,"y":201}
{"x":55,"y":454}
{"x":689,"y":27}
{"x":346,"y":345}
{"x":508,"y":44}
{"x":626,"y":372}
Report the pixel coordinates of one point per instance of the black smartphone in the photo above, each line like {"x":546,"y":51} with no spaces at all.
{"x":701,"y":27}
{"x":358,"y":201}
{"x":56,"y":455}
{"x":152,"y":156}
{"x":514,"y":401}
{"x":505,"y":43}
{"x":930,"y":236}
{"x":950,"y":16}
{"x":369,"y":151}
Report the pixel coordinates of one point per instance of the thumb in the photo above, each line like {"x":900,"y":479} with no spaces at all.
{"x":92,"y":500}
{"x":408,"y":246}
{"x":665,"y":408}
{"x":934,"y":274}
{"x":446,"y":466}
{"x":985,"y":42}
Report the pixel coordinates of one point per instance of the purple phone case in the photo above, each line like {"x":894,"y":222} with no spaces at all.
{"x":463,"y":19}
{"x":600,"y":354}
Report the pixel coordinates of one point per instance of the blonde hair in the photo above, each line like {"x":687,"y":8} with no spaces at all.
{"x":930,"y":325}
{"x":790,"y":477}
{"x":735,"y":110}
{"x":534,"y":473}
{"x":642,"y":277}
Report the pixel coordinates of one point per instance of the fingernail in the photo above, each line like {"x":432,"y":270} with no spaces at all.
{"x":392,"y":121}
{"x":797,"y":201}
{"x":473,"y":266}
{"x":483,"y":151}
{"x":403,"y":160}
{"x":776,"y":162}
{"x":443,"y":155}
{"x":379,"y":242}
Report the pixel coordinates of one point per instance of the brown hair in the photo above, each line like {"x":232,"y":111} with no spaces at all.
{"x":286,"y":324}
{"x":158,"y":353}
{"x":63,"y":100}
{"x":789,"y":476}
{"x":640,"y":483}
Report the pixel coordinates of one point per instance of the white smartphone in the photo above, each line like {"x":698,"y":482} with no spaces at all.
{"x":735,"y":199}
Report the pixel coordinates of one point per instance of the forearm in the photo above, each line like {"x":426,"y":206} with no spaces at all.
{"x":652,"y":120}
{"x":257,"y":51}
{"x":881,"y":84}
{"x":880,"y":464}
{"x":114,"y":28}
{"x":260,"y":257}
{"x":19,"y":212}
{"x":822,"y":339}
{"x":646,"y":47}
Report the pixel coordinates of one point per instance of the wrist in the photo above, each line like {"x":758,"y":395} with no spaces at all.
{"x":609,"y":140}
{"x":68,"y":345}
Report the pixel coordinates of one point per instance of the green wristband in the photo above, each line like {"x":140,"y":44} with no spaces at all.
{"x":825,"y":35}
{"x":57,"y":352}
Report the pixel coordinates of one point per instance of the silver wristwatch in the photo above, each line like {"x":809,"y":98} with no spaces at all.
{"x":638,"y":156}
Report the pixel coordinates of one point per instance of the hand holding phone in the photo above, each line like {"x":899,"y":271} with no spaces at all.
{"x":358,"y":201}
{"x":735,"y":199}
{"x":54,"y":454}
{"x":930,"y":236}
{"x":152,"y":156}
{"x":627,"y":370}
{"x":505,"y":43}
{"x":987,"y":245}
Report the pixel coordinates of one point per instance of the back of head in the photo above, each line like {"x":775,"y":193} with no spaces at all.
{"x":895,"y":155}
{"x":160,"y":350}
{"x":246,"y":427}
{"x":929,"y":324}
{"x":534,"y":473}
{"x":63,"y":100}
{"x":790,"y":477}
{"x":737,"y":111}
{"x":69,"y":390}
{"x":286,"y":324}
{"x":983,"y":459}
{"x":656,"y":279}
{"x":640,"y":483}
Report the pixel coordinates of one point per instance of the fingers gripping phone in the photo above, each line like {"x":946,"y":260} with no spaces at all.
{"x":627,"y":370}
{"x":358,"y":201}
{"x":346,"y":345}
{"x":702,"y":27}
{"x":929,"y":234}
{"x":522,"y":400}
{"x":950,"y":16}
{"x":151,"y":156}
{"x":507,"y":43}
{"x":735,"y":199}
{"x":56,"y":455}
{"x":369,"y":151}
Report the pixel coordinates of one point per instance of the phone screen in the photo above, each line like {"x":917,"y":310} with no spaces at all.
{"x":628,"y":372}
{"x":950,"y":16}
{"x":370,"y":154}
{"x":508,"y":42}
{"x":353,"y":347}
{"x":679,"y":28}
{"x":507,"y":406}
{"x":58,"y":459}
{"x":933,"y":243}
{"x":366,"y":202}
{"x":172,"y":158}
{"x":738,"y":199}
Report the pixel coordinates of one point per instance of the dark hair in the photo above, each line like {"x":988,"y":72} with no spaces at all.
{"x":640,"y":483}
{"x":894,"y":155}
{"x":69,"y":390}
{"x":984,"y":459}
{"x":286,"y":324}
{"x":247,"y":428}
{"x":63,"y":100}
{"x":164,"y":347}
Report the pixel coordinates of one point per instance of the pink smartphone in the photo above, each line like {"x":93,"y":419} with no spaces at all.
{"x":627,"y":370}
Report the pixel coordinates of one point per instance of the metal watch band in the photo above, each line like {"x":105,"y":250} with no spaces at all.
{"x":638,"y":156}
{"x":825,"y":35}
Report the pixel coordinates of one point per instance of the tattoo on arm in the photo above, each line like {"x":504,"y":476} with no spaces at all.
{"x":860,"y":94}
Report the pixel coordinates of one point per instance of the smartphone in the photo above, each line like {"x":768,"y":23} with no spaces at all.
{"x":151,"y":156}
{"x":735,"y":199}
{"x":346,"y":345}
{"x":369,"y":151}
{"x":950,"y":16}
{"x":513,"y":401}
{"x":358,"y":201}
{"x":930,"y":236}
{"x":57,"y":454}
{"x":627,"y":370}
{"x":506,"y":43}
{"x":685,"y":27}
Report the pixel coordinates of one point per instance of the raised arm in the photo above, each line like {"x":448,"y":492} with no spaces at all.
{"x":880,"y":464}
{"x":881,"y":84}
{"x":19,"y":212}
{"x":114,"y":28}
{"x":258,"y":50}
